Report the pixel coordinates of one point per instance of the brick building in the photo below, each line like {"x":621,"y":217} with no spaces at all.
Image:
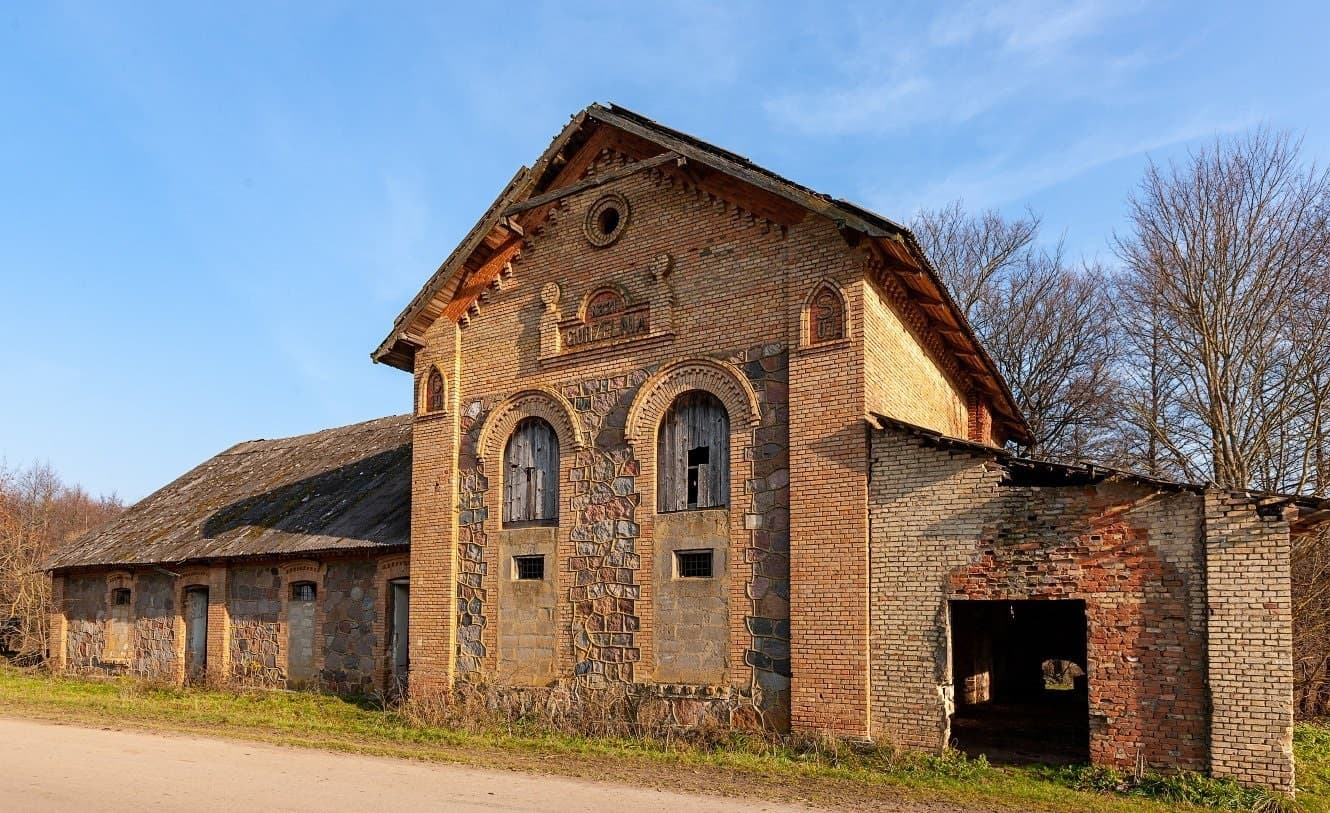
{"x":682,"y":426}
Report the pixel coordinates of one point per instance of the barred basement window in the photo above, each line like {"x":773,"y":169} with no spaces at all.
{"x":529,"y":568}
{"x":120,"y":596}
{"x":693,"y":564}
{"x":303,"y":591}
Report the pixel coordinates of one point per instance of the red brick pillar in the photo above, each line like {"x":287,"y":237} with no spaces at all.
{"x":829,"y":535}
{"x":219,"y":626}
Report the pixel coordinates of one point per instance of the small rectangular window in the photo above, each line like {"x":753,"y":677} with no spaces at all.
{"x":693,"y":564}
{"x":120,"y":596}
{"x":303,"y":591}
{"x":529,"y":567}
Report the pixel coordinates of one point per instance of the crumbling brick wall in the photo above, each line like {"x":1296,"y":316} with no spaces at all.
{"x":946,"y":528}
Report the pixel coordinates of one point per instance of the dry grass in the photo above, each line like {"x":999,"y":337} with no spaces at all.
{"x":545,"y":733}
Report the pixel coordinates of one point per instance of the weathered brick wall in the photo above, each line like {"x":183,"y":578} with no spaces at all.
{"x":945,"y":528}
{"x":350,"y":605}
{"x":1250,"y":648}
{"x":528,"y":624}
{"x":438,"y":609}
{"x":155,"y":617}
{"x":254,"y":603}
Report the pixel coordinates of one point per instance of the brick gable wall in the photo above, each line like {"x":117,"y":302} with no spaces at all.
{"x":721,"y":283}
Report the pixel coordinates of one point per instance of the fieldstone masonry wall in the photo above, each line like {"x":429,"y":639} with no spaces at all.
{"x":154,"y":626}
{"x":350,"y":645}
{"x":600,"y":564}
{"x":255,"y":603}
{"x":86,"y":611}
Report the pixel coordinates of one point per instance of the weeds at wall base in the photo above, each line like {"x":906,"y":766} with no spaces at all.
{"x":513,"y":730}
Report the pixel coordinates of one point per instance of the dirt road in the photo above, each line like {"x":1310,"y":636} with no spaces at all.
{"x":50,"y":767}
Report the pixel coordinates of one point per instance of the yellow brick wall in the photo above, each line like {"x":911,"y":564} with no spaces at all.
{"x":902,"y":379}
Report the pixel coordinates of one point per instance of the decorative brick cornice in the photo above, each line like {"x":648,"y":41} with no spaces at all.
{"x":721,"y":379}
{"x":532,"y":403}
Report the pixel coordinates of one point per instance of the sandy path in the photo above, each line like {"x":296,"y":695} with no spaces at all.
{"x":49,"y":767}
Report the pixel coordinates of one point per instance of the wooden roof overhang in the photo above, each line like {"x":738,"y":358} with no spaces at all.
{"x":496,"y":238}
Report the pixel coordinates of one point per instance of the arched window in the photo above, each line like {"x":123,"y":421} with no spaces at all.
{"x":531,"y":474}
{"x":693,"y":454}
{"x":826,"y":315}
{"x":434,"y":391}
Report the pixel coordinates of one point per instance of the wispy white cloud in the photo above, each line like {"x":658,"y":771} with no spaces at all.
{"x":1032,"y":29}
{"x":969,"y":61}
{"x":1011,"y":177}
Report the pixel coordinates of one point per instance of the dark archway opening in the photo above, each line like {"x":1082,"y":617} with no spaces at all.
{"x":1022,"y":694}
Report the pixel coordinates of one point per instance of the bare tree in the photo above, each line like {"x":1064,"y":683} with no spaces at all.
{"x":38,"y":513}
{"x":971,"y":251}
{"x":1045,"y":323}
{"x":1225,"y":265}
{"x":1311,"y":623}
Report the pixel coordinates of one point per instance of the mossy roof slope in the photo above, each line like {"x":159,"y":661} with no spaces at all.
{"x":341,"y":489}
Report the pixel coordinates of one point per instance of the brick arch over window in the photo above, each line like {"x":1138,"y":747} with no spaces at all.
{"x":823,"y":317}
{"x":533,"y":403}
{"x":721,"y":379}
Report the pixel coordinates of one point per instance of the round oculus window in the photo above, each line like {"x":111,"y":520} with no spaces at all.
{"x":606,"y":219}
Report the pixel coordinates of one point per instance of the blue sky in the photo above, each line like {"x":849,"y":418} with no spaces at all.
{"x":210,"y":216}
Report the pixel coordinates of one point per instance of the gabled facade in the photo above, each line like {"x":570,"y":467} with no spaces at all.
{"x":631,"y":266}
{"x":687,"y":429}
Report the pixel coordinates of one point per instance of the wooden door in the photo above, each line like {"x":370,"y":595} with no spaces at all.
{"x":196,"y":633}
{"x":399,"y":642}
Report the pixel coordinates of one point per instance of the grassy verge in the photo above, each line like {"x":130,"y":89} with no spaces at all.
{"x":818,"y":773}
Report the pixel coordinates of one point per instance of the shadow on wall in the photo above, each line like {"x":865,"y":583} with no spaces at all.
{"x":367,"y":500}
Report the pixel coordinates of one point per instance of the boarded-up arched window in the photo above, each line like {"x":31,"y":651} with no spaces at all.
{"x":531,"y":474}
{"x":693,"y":454}
{"x":434,"y":391}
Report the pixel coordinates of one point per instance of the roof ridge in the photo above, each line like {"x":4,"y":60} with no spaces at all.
{"x":255,"y":444}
